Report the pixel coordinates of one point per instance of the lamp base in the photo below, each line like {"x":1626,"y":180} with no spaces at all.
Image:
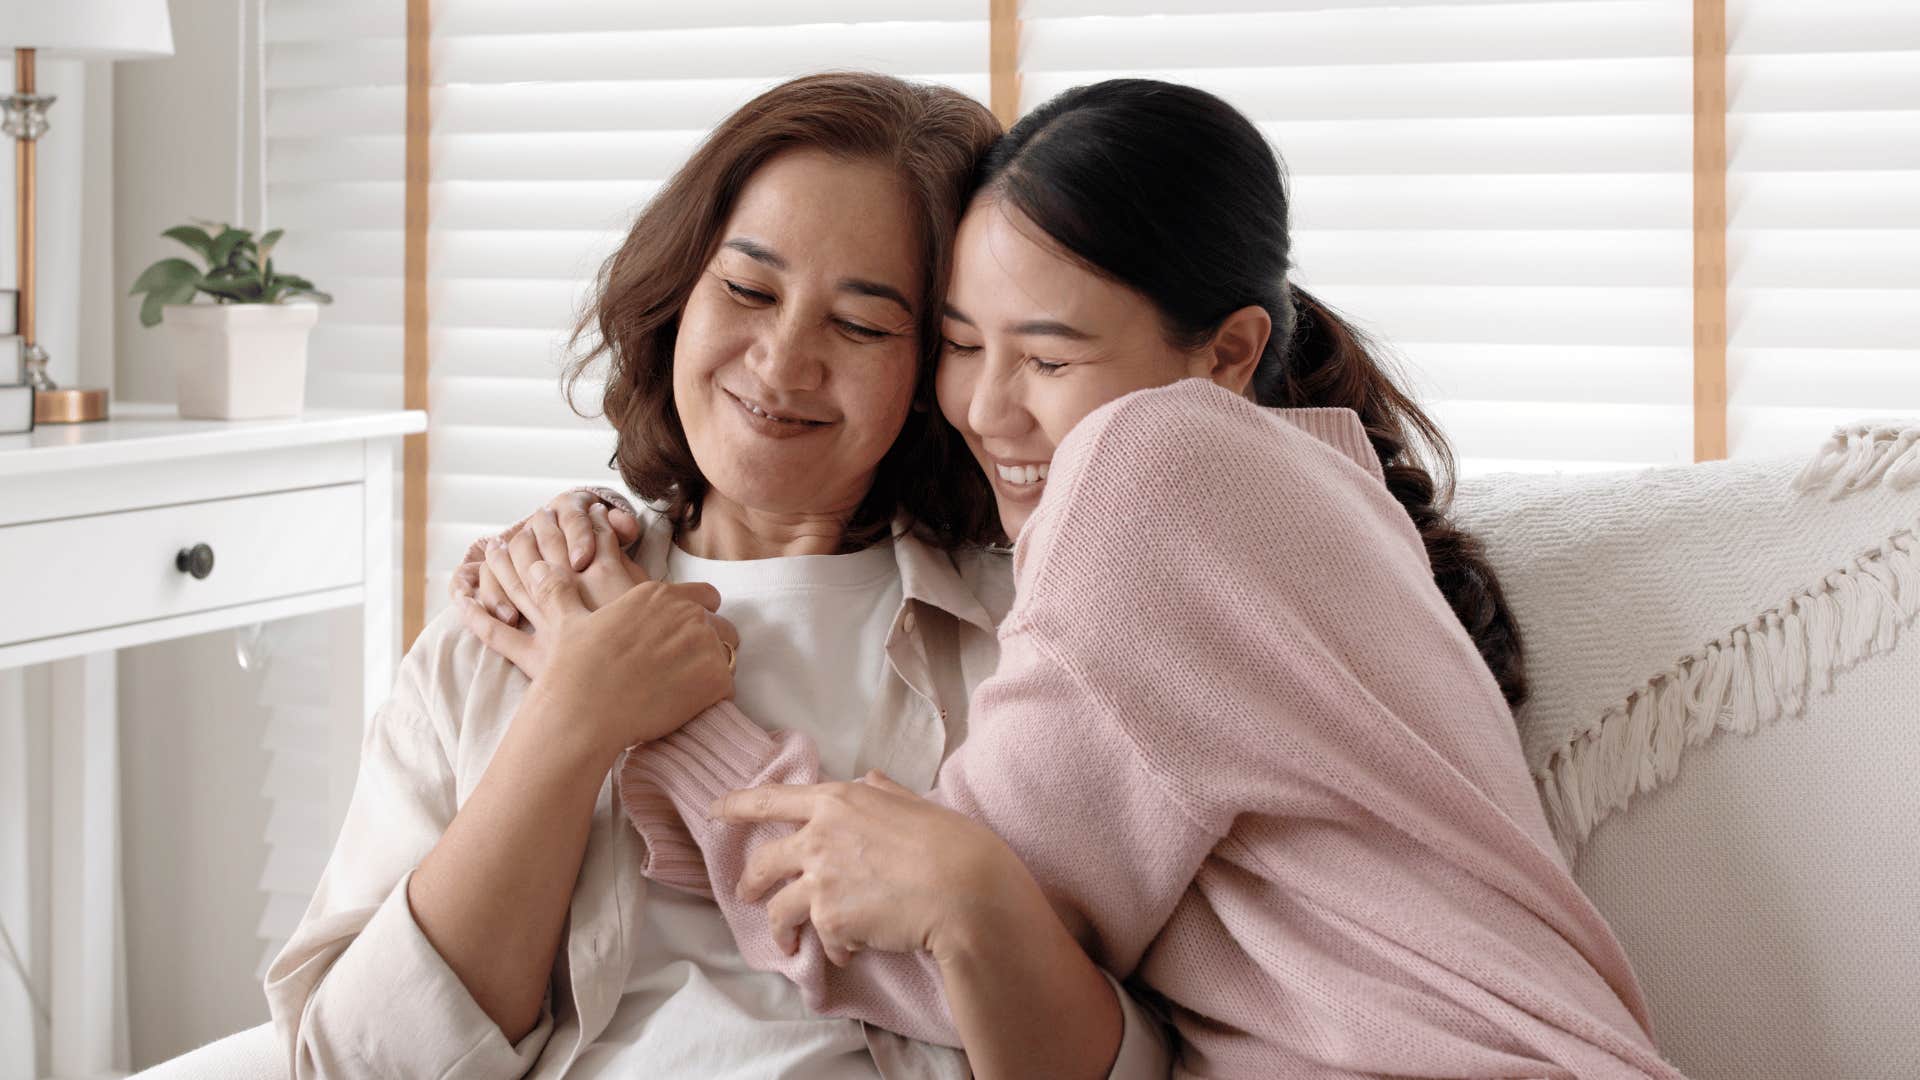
{"x":69,"y":406}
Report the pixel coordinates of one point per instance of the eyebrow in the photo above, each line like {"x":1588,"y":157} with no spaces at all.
{"x":756,"y":251}
{"x":879,"y":290}
{"x":1030,"y":328}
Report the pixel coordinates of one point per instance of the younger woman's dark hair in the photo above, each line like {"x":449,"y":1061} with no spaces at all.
{"x":1172,"y":192}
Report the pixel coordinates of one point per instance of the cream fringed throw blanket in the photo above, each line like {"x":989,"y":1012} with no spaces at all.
{"x":1664,"y":607}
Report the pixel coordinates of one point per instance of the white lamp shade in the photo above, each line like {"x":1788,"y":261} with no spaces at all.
{"x":88,"y":29}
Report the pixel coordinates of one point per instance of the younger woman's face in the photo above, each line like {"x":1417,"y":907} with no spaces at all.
{"x":1034,"y":341}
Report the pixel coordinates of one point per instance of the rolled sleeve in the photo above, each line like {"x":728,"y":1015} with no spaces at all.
{"x":358,"y":990}
{"x":355,"y":1024}
{"x":1146,"y":1051}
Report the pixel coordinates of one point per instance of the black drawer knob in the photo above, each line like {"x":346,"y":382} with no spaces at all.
{"x":196,"y":560}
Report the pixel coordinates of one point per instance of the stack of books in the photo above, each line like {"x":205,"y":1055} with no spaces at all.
{"x":16,"y":397}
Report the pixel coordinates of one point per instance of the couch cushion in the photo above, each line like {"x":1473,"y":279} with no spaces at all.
{"x":254,"y":1054}
{"x":1726,"y":695}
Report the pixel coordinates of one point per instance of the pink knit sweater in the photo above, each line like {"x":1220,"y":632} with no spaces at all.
{"x":1237,"y":729}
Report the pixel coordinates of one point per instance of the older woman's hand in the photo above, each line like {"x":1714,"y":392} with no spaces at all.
{"x":875,"y":866}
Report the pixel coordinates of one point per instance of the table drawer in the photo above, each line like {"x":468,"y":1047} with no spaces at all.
{"x":81,"y":573}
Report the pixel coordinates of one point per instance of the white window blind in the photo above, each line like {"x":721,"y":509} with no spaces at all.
{"x":334,"y":130}
{"x":1823,"y":236}
{"x":1500,"y":191}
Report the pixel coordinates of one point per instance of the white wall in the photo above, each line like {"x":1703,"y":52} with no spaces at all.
{"x":193,"y":812}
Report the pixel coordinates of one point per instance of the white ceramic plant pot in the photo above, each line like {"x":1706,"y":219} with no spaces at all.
{"x":239,"y":361}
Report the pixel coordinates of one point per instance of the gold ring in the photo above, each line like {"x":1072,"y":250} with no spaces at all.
{"x":729,"y":649}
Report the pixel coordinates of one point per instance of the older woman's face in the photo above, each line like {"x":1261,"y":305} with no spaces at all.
{"x":794,"y":365}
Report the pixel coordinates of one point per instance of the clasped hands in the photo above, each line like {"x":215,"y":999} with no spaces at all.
{"x":871,"y":865}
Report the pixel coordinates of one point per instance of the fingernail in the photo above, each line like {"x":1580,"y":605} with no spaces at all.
{"x":505,"y":612}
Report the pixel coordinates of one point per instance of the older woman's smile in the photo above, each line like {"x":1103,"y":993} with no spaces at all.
{"x":779,"y":422}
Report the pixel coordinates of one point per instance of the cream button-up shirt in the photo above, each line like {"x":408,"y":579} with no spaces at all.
{"x":358,"y":991}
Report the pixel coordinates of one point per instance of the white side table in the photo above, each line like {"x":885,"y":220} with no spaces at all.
{"x":145,"y":528}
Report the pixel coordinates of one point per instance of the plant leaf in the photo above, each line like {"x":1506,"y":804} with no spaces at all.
{"x":225,"y":245}
{"x":162,"y":273}
{"x":193,"y":237}
{"x":244,"y":283}
{"x":150,"y":309}
{"x":229,"y":286}
{"x":181,"y":293}
{"x":268,"y":241}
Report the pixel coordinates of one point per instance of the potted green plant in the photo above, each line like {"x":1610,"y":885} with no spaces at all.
{"x":243,"y":355}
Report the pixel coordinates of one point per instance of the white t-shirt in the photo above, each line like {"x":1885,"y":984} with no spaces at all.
{"x":813,"y":632}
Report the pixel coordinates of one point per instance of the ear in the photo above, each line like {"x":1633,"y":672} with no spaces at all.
{"x":1230,"y":357}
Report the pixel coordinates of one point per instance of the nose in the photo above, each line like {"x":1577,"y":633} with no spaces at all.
{"x":996,"y":409}
{"x":783,"y":358}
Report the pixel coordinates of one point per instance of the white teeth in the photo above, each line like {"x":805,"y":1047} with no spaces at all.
{"x":1022,"y":474}
{"x":758,"y":411}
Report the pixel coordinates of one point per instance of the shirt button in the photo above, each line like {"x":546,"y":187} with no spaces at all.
{"x":907,"y":623}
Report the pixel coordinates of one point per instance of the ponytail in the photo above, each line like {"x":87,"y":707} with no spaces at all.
{"x":1329,"y":363}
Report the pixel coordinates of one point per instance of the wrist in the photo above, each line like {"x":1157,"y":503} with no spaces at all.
{"x":1012,"y":920}
{"x":559,"y":735}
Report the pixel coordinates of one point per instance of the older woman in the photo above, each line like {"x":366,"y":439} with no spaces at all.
{"x":770,"y":322}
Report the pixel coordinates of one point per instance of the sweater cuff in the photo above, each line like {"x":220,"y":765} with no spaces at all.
{"x":667,"y":782}
{"x":1340,"y":429}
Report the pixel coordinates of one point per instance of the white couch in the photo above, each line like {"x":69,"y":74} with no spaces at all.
{"x":1726,"y":730}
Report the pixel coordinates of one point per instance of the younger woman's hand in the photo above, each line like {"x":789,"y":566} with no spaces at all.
{"x":608,"y":575}
{"x":572,"y":509}
{"x":875,"y":866}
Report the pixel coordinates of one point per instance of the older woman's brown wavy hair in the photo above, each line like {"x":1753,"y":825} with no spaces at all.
{"x":933,"y":138}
